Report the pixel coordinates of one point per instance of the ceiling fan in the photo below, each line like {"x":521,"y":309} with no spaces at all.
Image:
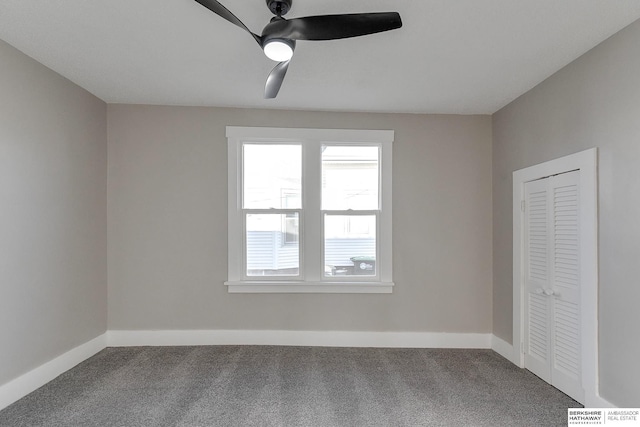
{"x":278,"y":38}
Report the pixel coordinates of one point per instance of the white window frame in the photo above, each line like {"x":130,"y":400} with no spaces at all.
{"x":312,"y":278}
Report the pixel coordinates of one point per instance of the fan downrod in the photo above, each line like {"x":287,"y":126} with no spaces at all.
{"x":279,"y":7}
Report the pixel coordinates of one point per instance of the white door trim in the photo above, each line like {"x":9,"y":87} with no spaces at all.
{"x":586,"y":162}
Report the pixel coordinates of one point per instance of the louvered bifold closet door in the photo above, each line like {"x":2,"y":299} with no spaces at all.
{"x":552,"y":341}
{"x":565,"y":280}
{"x":537,"y":335}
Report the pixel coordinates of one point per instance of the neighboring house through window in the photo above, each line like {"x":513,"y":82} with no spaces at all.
{"x":309,"y":210}
{"x":291,"y":225}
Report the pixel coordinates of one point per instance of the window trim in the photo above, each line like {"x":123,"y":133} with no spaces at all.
{"x":313,"y":279}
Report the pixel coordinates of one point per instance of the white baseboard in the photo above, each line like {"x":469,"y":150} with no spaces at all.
{"x":593,"y":400}
{"x":36,"y":378}
{"x":298,"y":338}
{"x":502,"y":347}
{"x":18,"y":388}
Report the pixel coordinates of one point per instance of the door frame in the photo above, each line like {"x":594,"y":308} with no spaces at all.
{"x":586,"y":162}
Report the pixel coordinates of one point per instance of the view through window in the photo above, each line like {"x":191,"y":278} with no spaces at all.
{"x":310,"y":210}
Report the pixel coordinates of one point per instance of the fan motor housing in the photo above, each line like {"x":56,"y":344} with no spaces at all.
{"x":283,"y":5}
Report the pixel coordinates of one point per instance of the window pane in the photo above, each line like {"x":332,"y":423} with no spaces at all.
{"x":349,"y":177}
{"x":272,"y":176}
{"x":272,"y":245}
{"x":290,"y":228}
{"x":350,"y":245}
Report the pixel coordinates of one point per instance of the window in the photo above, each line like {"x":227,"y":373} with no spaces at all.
{"x":290,"y":226}
{"x":309,"y":210}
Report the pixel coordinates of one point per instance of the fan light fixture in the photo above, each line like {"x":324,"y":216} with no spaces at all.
{"x":279,"y":36}
{"x":279,"y":49}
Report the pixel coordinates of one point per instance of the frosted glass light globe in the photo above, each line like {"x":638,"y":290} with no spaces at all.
{"x":278,"y":50}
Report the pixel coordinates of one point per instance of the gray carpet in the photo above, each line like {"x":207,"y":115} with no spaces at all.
{"x":292,"y":386}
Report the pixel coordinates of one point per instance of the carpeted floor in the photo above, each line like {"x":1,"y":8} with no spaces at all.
{"x":292,"y":386}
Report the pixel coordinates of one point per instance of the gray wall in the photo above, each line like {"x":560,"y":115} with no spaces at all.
{"x":593,"y":102}
{"x":53,"y":268}
{"x":167,"y":216}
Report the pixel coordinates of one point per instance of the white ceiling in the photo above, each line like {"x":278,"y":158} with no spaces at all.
{"x":451,"y":56}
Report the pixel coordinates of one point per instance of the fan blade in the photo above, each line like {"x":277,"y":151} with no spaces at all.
{"x":223,"y":12}
{"x":331,"y":27}
{"x":274,"y":81}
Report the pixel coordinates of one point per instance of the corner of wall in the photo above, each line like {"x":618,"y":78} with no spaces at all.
{"x":23,"y":385}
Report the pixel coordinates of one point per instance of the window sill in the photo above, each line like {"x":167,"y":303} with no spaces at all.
{"x":309,"y":287}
